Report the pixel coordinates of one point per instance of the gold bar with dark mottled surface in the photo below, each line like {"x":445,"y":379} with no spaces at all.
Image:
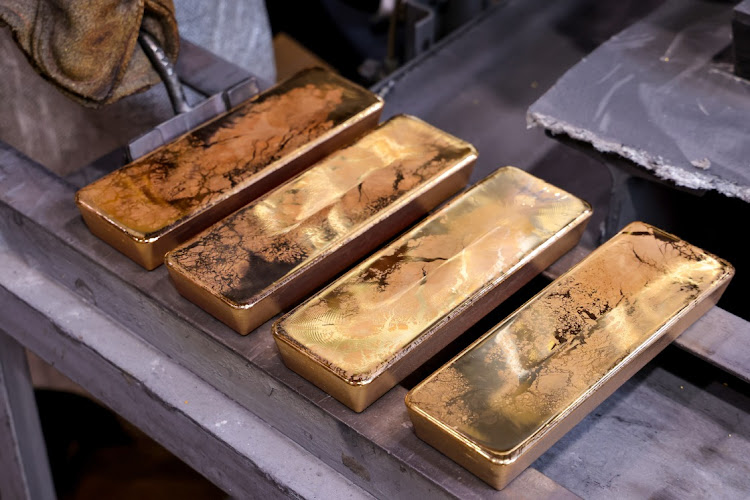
{"x":155,"y":203}
{"x":513,"y":393}
{"x":269,"y":255}
{"x":365,"y":332}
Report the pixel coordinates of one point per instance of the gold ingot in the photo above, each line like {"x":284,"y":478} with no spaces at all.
{"x":365,"y":332}
{"x":161,"y":200}
{"x":513,"y":393}
{"x":269,"y":255}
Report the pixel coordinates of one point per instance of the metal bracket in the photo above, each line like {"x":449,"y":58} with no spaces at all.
{"x":420,"y":28}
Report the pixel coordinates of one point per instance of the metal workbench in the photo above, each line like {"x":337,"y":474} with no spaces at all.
{"x":226,"y":404}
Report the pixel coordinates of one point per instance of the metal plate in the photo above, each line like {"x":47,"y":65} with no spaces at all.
{"x":655,"y":95}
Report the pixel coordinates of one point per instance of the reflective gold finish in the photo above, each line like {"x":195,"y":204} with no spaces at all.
{"x":270,"y":254}
{"x":509,"y":396}
{"x":151,"y":205}
{"x":362,"y":334}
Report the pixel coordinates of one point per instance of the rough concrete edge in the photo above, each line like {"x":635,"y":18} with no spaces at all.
{"x":657,"y":164}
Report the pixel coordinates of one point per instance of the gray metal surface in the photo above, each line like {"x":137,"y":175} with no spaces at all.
{"x":653,"y":94}
{"x":213,"y":434}
{"x":211,"y":73}
{"x":420,"y":30}
{"x":478,"y":82}
{"x":24,"y":469}
{"x":241,"y":92}
{"x":674,"y":431}
{"x":741,"y":39}
{"x":742,"y":11}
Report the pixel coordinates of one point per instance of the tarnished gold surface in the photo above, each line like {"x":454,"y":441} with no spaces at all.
{"x":273,"y":252}
{"x":509,"y":396}
{"x":359,"y":336}
{"x":151,"y":205}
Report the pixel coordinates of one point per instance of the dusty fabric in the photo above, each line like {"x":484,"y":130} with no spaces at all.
{"x":89,"y":48}
{"x":64,"y":136}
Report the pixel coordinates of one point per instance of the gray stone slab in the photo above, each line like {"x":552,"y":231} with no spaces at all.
{"x":654,"y":94}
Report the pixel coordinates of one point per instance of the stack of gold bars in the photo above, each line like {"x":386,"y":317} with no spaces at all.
{"x":262,"y":206}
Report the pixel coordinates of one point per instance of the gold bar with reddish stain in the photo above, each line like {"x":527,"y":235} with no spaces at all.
{"x":362,"y":334}
{"x":155,"y":203}
{"x":513,"y":393}
{"x":274,"y":252}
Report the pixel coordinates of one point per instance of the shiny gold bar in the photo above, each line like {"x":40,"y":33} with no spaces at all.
{"x":270,"y":254}
{"x":365,"y":332}
{"x":509,"y":396}
{"x":155,"y":203}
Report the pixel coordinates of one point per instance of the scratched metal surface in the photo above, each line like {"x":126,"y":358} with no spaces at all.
{"x":655,"y":94}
